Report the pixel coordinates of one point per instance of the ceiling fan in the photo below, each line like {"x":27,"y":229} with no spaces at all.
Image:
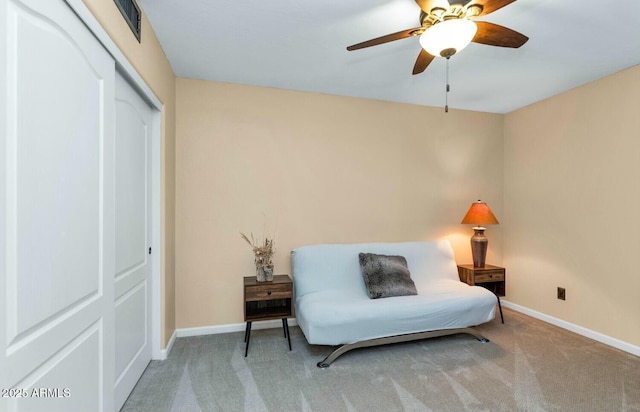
{"x":447,"y":27}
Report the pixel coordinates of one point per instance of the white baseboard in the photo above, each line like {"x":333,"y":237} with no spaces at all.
{"x":234,"y":327}
{"x":164,"y":353}
{"x":268,"y":324}
{"x":597,"y":336}
{"x":212,"y":330}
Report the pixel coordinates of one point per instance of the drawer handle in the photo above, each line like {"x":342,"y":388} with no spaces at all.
{"x":490,"y":276}
{"x":269,"y":292}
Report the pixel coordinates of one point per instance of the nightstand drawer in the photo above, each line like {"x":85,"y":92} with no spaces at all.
{"x":268,"y":292}
{"x":497,"y":276}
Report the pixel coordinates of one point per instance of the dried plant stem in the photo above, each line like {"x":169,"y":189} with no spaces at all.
{"x":263,"y":253}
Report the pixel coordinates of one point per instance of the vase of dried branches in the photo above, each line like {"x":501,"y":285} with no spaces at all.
{"x":263,"y":257}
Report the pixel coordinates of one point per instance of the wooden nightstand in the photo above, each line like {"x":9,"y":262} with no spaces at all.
{"x":490,"y":277}
{"x":266,"y":301}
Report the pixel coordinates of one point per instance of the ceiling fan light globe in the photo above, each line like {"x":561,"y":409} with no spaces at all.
{"x":450,"y":34}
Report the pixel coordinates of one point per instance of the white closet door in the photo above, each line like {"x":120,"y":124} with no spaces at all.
{"x":57,"y":217}
{"x":133,"y":239}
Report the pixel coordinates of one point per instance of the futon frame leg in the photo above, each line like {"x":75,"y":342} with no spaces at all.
{"x":326,"y":362}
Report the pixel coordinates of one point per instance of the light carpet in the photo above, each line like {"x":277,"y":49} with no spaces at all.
{"x":529,"y":365}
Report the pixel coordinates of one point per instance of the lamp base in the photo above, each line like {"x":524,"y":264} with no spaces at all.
{"x":479,"y":246}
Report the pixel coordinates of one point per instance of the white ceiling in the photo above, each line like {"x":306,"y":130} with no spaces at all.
{"x":301,"y":45}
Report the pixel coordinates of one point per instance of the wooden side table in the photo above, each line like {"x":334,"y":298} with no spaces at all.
{"x":266,"y":301}
{"x":490,"y":277}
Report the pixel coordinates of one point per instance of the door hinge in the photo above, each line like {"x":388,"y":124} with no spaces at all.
{"x":149,"y":249}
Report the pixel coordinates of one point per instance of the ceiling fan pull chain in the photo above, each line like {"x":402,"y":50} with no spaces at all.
{"x":446,"y":92}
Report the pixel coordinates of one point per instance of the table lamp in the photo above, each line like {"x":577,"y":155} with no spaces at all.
{"x":479,"y":214}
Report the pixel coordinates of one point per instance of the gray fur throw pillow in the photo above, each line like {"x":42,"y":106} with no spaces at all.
{"x":386,"y":276}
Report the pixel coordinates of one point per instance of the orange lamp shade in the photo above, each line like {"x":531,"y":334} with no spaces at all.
{"x":480,"y":214}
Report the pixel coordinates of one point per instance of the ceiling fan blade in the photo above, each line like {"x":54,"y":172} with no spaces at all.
{"x":428,"y":5}
{"x":386,"y":39}
{"x":489,"y":6}
{"x":422,"y":62}
{"x":496,"y":35}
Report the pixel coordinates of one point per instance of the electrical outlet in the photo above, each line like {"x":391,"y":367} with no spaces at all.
{"x":561,"y":293}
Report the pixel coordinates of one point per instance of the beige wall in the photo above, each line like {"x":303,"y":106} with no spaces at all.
{"x":572,"y":205}
{"x":151,"y":63}
{"x":316,"y":168}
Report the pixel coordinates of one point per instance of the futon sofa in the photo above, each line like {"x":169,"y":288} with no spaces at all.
{"x":333,"y":306}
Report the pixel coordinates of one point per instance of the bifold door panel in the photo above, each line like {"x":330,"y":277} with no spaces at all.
{"x":74,"y":216}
